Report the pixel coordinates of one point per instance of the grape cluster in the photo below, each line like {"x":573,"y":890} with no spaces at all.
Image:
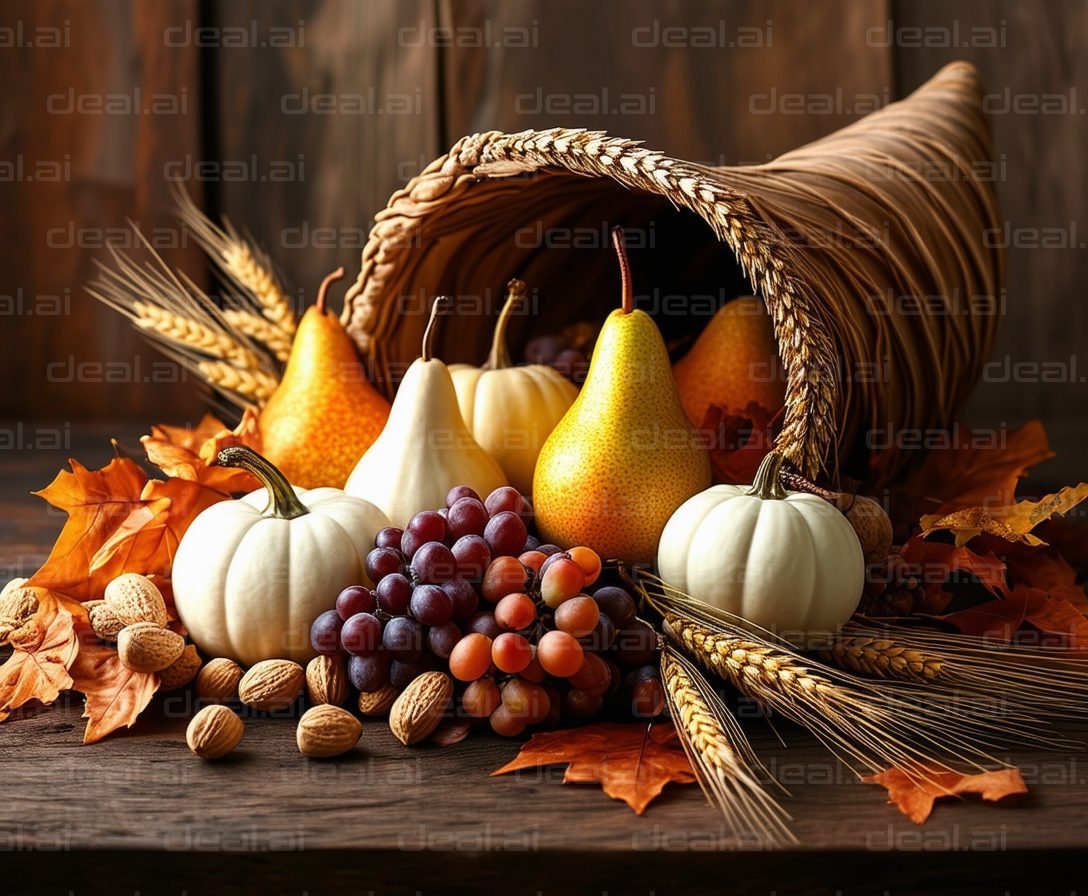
{"x":517,"y":623}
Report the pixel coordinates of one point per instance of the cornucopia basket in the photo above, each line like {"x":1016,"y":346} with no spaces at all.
{"x":868,"y":247}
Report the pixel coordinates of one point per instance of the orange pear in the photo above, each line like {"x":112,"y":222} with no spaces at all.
{"x":325,"y":413}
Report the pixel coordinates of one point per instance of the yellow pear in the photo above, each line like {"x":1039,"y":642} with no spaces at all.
{"x":324,"y":414}
{"x":625,"y":456}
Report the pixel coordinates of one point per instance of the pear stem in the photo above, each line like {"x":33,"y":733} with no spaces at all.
{"x":499,"y":359}
{"x":324,"y":288}
{"x":768,"y":481}
{"x":619,"y":244}
{"x":282,"y":500}
{"x":440,"y":306}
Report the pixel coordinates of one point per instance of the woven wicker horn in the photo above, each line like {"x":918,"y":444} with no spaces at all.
{"x":868,"y":247}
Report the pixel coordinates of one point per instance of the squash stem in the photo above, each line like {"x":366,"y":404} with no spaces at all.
{"x":324,"y":288}
{"x":282,"y":500}
{"x":499,"y":359}
{"x":440,"y":306}
{"x":768,"y":481}
{"x":625,"y":269}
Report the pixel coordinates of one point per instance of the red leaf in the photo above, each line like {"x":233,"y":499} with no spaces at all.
{"x":1000,"y":619}
{"x":933,"y":562}
{"x":628,"y":765}
{"x":739,"y":442}
{"x":45,"y":647}
{"x":915,"y":797}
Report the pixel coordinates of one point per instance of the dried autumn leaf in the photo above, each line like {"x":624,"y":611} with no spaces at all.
{"x":627,"y":764}
{"x":115,"y":694}
{"x":178,"y":452}
{"x":739,"y":442}
{"x":38,"y":667}
{"x":933,"y":562}
{"x":97,"y":503}
{"x":1043,"y":567}
{"x":1010,"y":523}
{"x":1001,"y":619}
{"x":914,"y":796}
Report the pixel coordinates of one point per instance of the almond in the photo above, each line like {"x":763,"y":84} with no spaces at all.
{"x":326,"y":730}
{"x":135,"y":598}
{"x":272,"y":685}
{"x":214,"y":732}
{"x":327,"y":680}
{"x":420,"y":707}
{"x":105,"y":623}
{"x":377,"y":703}
{"x":181,"y":671}
{"x":218,"y":681}
{"x":17,"y":606}
{"x":148,"y":647}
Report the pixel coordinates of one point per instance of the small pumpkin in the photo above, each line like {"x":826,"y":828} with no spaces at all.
{"x":511,"y":410}
{"x":787,"y":561}
{"x":250,"y":576}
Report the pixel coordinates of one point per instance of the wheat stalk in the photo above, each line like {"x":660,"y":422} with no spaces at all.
{"x":720,"y":754}
{"x":253,"y":385}
{"x":262,"y":330}
{"x":245,"y":265}
{"x":189,"y":332}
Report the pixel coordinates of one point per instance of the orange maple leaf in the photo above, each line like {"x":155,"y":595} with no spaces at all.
{"x":97,"y":503}
{"x":1013,"y":523}
{"x":933,"y":562}
{"x":915,"y":794}
{"x":189,"y":454}
{"x":627,"y":764}
{"x":115,"y":694}
{"x":1001,"y":619}
{"x":45,"y":647}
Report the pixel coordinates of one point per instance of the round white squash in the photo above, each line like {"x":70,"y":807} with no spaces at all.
{"x":786,"y":561}
{"x":250,"y":576}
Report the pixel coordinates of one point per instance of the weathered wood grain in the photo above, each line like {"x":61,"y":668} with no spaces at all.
{"x":350,"y":109}
{"x":1037,"y":64}
{"x":108,"y":164}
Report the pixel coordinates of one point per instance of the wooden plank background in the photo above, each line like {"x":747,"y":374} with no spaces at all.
{"x":709,"y":103}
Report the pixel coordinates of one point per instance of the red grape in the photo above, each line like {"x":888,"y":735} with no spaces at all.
{"x":371,"y":672}
{"x":616,"y":604}
{"x":430,"y":605}
{"x":504,"y":724}
{"x":382,"y":562}
{"x":464,"y":597}
{"x":389,"y":537}
{"x":502,"y":499}
{"x":580,"y":705}
{"x":471,"y":657}
{"x":589,"y":561}
{"x":393,"y":593}
{"x":325,"y":633}
{"x":458,"y":492}
{"x":515,"y":612}
{"x":526,"y":701}
{"x":511,"y":652}
{"x":354,"y":599}
{"x":504,"y":576}
{"x":473,"y":557}
{"x":647,"y":698}
{"x":532,"y":559}
{"x":594,"y":677}
{"x":601,"y":637}
{"x":534,"y":671}
{"x":441,"y":639}
{"x":562,"y":580}
{"x":548,"y":549}
{"x":403,"y":638}
{"x":484,"y":623}
{"x":467,"y":517}
{"x":361,"y":634}
{"x":635,"y":644}
{"x":428,"y":525}
{"x":505,"y":534}
{"x":433,"y":563}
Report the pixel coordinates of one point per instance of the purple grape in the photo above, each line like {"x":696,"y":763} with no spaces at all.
{"x":430,"y":605}
{"x":467,"y":517}
{"x":325,"y":633}
{"x":371,"y":672}
{"x":616,"y":604}
{"x":428,"y":525}
{"x":441,"y":639}
{"x":354,"y":599}
{"x":433,"y":564}
{"x":458,"y":492}
{"x":551,"y":559}
{"x":485,"y":624}
{"x":389,"y":537}
{"x":503,"y":498}
{"x":505,"y":534}
{"x":548,"y":549}
{"x":543,"y":349}
{"x":403,"y":639}
{"x":601,"y":638}
{"x":361,"y":634}
{"x":464,"y":597}
{"x":532,"y":543}
{"x":473,"y":557}
{"x":403,"y":673}
{"x":393,"y":593}
{"x":382,"y":562}
{"x":572,"y":364}
{"x":636,"y":644}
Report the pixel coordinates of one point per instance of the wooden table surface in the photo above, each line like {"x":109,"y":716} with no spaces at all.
{"x":138,"y":813}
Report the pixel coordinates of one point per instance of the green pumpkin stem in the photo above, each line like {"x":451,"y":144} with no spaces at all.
{"x":282,"y":500}
{"x":441,"y":306}
{"x":768,"y":481}
{"x":620,"y":246}
{"x":499,"y":359}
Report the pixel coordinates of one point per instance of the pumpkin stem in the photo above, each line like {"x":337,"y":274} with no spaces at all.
{"x":282,"y":500}
{"x":441,"y":306}
{"x":499,"y":359}
{"x":768,"y":481}
{"x":619,"y":244}
{"x":324,"y":288}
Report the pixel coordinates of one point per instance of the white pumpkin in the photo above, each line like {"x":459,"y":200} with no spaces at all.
{"x":509,"y":410}
{"x":787,"y":561}
{"x":250,"y":576}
